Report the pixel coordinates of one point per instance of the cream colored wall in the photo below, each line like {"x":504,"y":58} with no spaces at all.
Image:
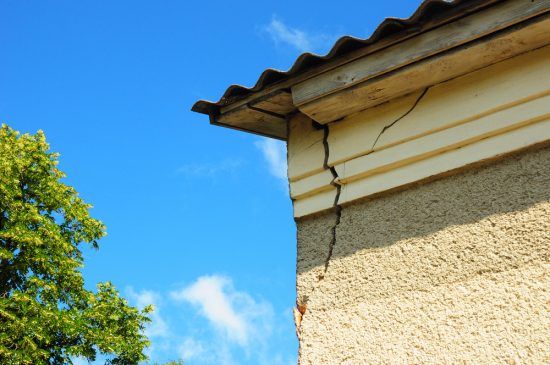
{"x":487,"y":113}
{"x":452,"y":271}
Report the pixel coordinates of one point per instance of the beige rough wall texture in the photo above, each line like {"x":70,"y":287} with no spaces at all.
{"x":453,"y":271}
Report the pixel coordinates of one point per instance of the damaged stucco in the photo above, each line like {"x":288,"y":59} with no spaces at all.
{"x":331,"y":221}
{"x":424,"y":233}
{"x":336,"y":205}
{"x":327,"y":226}
{"x":452,"y":271}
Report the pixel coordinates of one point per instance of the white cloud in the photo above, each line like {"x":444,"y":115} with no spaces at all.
{"x":158,"y":326}
{"x":299,"y":39}
{"x":275,"y":154}
{"x":208,"y":292}
{"x":281,"y":33}
{"x":190,"y":348}
{"x":234,"y":314}
{"x":217,"y":325}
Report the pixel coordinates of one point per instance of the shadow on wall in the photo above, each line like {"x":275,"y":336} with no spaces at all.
{"x":461,"y":217}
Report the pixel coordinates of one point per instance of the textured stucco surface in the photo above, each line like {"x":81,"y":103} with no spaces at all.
{"x":314,"y":239}
{"x":453,"y":271}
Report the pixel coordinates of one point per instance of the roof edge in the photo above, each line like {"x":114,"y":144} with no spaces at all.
{"x":429,"y":11}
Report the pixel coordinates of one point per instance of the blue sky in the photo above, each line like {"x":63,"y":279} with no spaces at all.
{"x":199,"y":220}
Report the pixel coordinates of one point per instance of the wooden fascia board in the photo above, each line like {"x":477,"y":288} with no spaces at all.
{"x":427,"y":44}
{"x":520,"y":38}
{"x":249,"y":124}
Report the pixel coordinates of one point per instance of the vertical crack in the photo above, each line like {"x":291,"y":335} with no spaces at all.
{"x":401,"y":117}
{"x":336,"y":206}
{"x":301,"y":303}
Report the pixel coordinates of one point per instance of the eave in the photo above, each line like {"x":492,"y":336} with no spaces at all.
{"x":441,"y":41}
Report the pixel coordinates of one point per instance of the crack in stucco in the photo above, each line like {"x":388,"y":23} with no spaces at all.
{"x":337,"y":208}
{"x":401,"y":117}
{"x":301,"y":303}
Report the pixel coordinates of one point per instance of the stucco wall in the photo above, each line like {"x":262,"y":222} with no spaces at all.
{"x":452,"y":271}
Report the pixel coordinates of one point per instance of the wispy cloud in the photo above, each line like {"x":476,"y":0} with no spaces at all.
{"x":209,"y":169}
{"x":274,"y":153}
{"x":191,"y":348}
{"x":158,"y":326}
{"x":281,"y":33}
{"x":301,"y":40}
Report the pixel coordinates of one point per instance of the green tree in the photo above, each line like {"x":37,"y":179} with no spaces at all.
{"x":46,"y":314}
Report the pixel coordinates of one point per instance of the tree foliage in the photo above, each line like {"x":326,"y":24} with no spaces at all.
{"x":46,"y":314}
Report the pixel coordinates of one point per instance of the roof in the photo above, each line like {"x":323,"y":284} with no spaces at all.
{"x":263,"y":108}
{"x":427,"y":11}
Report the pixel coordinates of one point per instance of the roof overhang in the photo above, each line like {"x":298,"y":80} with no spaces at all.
{"x":440,"y":41}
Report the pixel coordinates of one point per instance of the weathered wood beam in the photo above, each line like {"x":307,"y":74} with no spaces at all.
{"x":531,"y":34}
{"x":417,"y":48}
{"x":254,"y":120}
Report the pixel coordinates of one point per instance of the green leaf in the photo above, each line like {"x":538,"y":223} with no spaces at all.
{"x":46,"y":314}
